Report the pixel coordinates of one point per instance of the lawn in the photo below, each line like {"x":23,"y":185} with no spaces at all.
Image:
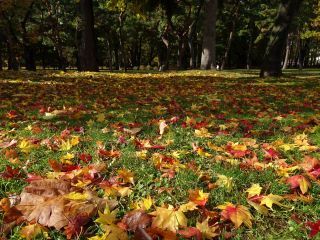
{"x":177,"y":155}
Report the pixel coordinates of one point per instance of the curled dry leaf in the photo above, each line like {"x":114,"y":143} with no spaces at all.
{"x":136,"y":219}
{"x":44,"y":202}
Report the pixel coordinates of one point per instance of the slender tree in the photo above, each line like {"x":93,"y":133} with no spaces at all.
{"x":208,"y":57}
{"x":87,"y":44}
{"x":273,"y":56}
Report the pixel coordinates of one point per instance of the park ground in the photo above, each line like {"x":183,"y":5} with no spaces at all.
{"x":228,"y":153}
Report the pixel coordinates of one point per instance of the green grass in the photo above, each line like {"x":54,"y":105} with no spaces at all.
{"x":237,"y":102}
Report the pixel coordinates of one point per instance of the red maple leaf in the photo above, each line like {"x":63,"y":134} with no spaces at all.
{"x":315,"y":228}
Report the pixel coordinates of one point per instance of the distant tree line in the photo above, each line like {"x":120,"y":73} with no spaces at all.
{"x":160,"y":34}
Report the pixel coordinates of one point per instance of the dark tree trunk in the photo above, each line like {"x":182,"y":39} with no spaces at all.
{"x":116,"y":58}
{"x":208,"y":58}
{"x":121,"y":41}
{"x":151,"y":54}
{"x":162,"y":55}
{"x":192,"y":37}
{"x":250,"y":43}
{"x":28,"y":48}
{"x":87,"y":47}
{"x":43,"y":57}
{"x":1,"y":63}
{"x":12,"y":58}
{"x":29,"y":57}
{"x":182,"y":53}
{"x":231,"y":35}
{"x":109,"y":55}
{"x":273,"y":57}
{"x":304,"y":49}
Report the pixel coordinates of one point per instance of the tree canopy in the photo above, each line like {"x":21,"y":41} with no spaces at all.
{"x":154,"y":34}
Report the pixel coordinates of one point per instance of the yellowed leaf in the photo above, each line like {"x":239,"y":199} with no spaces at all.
{"x":208,"y":232}
{"x":168,"y":219}
{"x":254,"y":190}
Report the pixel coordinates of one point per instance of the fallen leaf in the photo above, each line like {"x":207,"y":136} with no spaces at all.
{"x":136,"y":219}
{"x":208,"y":232}
{"x":32,"y":231}
{"x":168,"y":219}
{"x":238,"y":214}
{"x":254,"y":190}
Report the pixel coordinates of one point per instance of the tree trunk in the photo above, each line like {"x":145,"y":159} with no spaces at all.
{"x":231,"y":35}
{"x":139,"y":52}
{"x":28,"y":48}
{"x":29,"y":57}
{"x":151,"y":54}
{"x":121,"y":41}
{"x":1,"y":63}
{"x":249,"y":52}
{"x":286,"y":58}
{"x":12,"y":58}
{"x":109,"y":55}
{"x":87,"y":48}
{"x":208,"y":58}
{"x":116,"y":58}
{"x":302,"y":54}
{"x":272,"y":60}
{"x":182,"y":63}
{"x":192,"y":37}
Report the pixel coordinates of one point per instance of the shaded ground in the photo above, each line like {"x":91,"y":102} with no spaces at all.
{"x":224,"y":132}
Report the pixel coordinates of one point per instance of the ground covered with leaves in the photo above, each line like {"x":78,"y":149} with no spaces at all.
{"x":188,"y":155}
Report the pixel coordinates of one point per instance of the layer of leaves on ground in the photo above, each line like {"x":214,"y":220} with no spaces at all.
{"x":189,"y":155}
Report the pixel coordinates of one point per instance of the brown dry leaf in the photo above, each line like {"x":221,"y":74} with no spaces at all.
{"x":136,"y":219}
{"x":44,"y":201}
{"x":132,"y":131}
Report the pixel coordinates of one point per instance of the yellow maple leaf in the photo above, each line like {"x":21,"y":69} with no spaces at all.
{"x":285,"y":172}
{"x":214,"y":147}
{"x":32,"y":231}
{"x":254,"y":190}
{"x":202,"y":133}
{"x":208,"y":232}
{"x":25,"y":146}
{"x":168,"y":219}
{"x":123,"y":191}
{"x":271,"y":199}
{"x":189,"y":206}
{"x":260,"y":209}
{"x":198,"y":197}
{"x":147,"y":203}
{"x":126,"y":175}
{"x":203,"y":153}
{"x":107,"y":217}
{"x":74,"y":140}
{"x":304,"y":185}
{"x":142,"y":154}
{"x":239,"y":147}
{"x":77,"y":196}
{"x":112,"y":231}
{"x":101,"y":117}
{"x":67,"y":158}
{"x":224,"y":181}
{"x":237,"y":214}
{"x":65,"y":145}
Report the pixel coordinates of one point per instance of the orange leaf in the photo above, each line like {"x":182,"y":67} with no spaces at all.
{"x":237,"y":214}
